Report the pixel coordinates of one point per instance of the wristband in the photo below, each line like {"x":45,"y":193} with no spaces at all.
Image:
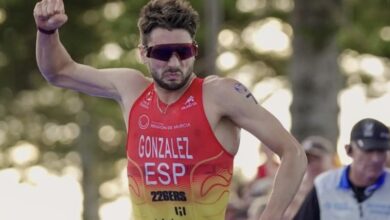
{"x":48,"y":32}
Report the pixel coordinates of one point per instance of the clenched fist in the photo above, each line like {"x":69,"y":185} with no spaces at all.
{"x":50,"y":15}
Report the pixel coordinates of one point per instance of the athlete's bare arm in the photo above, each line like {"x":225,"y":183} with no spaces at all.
{"x":232,"y":100}
{"x":60,"y":69}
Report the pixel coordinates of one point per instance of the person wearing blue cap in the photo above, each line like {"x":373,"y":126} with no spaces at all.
{"x":360,"y":190}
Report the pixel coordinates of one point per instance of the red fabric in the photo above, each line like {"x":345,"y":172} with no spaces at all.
{"x":261,"y":171}
{"x":178,"y":153}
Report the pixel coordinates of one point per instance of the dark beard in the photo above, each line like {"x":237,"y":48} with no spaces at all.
{"x":171,"y":87}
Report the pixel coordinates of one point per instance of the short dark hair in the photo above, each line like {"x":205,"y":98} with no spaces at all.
{"x":167,"y":14}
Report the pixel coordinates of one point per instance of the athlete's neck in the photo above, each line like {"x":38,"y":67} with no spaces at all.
{"x":169,"y":96}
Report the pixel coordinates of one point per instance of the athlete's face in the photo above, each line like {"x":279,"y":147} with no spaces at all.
{"x":171,"y":63}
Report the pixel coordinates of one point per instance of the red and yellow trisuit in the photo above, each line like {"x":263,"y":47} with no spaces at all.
{"x":177,"y":169}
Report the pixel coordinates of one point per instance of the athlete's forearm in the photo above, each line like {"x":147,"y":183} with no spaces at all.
{"x":287,"y":181}
{"x":52,"y":57}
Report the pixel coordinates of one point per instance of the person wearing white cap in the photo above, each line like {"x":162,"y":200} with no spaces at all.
{"x":360,"y":190}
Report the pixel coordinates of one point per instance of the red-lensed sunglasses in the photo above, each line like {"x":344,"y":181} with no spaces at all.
{"x":165,"y":51}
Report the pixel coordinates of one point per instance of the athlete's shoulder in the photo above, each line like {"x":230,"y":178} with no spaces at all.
{"x":130,"y":74}
{"x":130,"y":82}
{"x":219,"y":85}
{"x":222,"y":93}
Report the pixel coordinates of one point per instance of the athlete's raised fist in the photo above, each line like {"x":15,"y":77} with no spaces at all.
{"x":50,"y":14}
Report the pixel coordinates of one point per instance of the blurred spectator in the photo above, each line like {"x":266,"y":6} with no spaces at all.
{"x":388,"y":160}
{"x":239,"y":201}
{"x":260,"y":188}
{"x":265,"y":172}
{"x":360,"y":190}
{"x":320,"y":154}
{"x":249,"y":198}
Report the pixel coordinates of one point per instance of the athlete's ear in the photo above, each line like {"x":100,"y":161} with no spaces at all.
{"x":142,"y":53}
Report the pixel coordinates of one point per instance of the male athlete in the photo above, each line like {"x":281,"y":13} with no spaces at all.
{"x":183,"y":131}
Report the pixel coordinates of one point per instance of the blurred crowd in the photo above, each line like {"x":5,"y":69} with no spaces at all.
{"x":249,"y":198}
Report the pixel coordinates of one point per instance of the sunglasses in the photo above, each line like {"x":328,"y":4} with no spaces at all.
{"x":164,"y":52}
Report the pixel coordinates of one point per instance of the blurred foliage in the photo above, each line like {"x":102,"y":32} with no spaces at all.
{"x":28,"y":105}
{"x":362,"y":25}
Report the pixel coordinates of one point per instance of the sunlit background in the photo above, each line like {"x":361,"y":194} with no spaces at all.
{"x":37,"y":193}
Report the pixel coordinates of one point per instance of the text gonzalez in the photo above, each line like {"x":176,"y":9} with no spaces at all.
{"x":165,"y":173}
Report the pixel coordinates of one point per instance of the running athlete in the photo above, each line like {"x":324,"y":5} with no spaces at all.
{"x":183,"y":131}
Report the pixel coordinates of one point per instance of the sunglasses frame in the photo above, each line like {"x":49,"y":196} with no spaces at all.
{"x":193,"y":45}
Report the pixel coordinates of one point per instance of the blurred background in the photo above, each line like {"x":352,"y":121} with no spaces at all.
{"x":319,"y":66}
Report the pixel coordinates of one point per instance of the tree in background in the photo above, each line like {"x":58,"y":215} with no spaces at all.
{"x":70,"y":129}
{"x":314,"y":72}
{"x":326,"y":34}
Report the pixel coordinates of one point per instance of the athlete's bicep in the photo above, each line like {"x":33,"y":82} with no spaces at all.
{"x":237,"y":103}
{"x":97,"y":82}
